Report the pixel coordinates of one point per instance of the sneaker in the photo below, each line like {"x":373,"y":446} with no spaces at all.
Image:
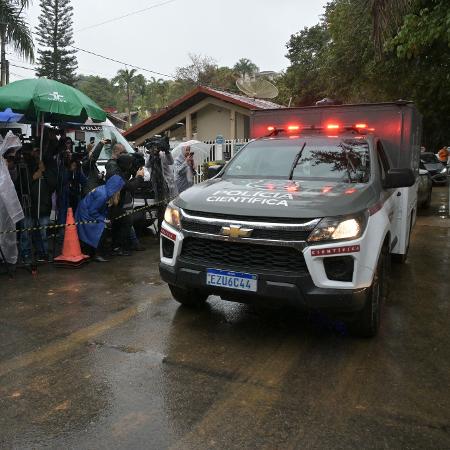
{"x":98,"y":258}
{"x":43,"y":258}
{"x":26,"y":259}
{"x":120,"y":252}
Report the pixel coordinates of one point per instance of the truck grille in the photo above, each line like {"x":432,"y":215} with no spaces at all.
{"x":242,"y":255}
{"x":275,"y":234}
{"x":236,"y":218}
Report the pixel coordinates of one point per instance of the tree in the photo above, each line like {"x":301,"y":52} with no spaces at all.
{"x":55,"y":35}
{"x":199,"y":72}
{"x":14,"y":30}
{"x":244,"y":67}
{"x":224,"y":78}
{"x":387,"y":17}
{"x":125,"y":80}
{"x":100,"y":89}
{"x":340,"y":57}
{"x":424,"y":30}
{"x":302,"y":83}
{"x":140,"y":85}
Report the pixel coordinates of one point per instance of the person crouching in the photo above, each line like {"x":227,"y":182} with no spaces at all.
{"x":95,"y":207}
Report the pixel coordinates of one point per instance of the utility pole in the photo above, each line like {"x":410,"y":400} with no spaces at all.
{"x":3,"y":55}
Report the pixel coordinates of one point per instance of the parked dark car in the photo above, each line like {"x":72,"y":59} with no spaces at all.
{"x":438,"y":172}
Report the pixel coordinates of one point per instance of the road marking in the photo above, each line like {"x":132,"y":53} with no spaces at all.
{"x":56,"y":350}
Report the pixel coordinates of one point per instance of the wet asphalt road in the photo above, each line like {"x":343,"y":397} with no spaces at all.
{"x":102,"y":358}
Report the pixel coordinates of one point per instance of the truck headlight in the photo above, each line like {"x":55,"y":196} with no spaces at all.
{"x":172,"y":216}
{"x":444,"y":170}
{"x":338,"y":228}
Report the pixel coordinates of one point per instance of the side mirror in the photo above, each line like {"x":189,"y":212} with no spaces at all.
{"x":397,"y":178}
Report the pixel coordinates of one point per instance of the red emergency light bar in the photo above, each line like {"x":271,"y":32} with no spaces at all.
{"x":288,"y":128}
{"x":360,"y":127}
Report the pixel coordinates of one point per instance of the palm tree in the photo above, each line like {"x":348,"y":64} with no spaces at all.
{"x":140,"y":84}
{"x":387,"y":17}
{"x":14,"y":30}
{"x":245,"y":67}
{"x":125,"y":80}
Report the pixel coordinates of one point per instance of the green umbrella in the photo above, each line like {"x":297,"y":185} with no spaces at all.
{"x":40,"y":98}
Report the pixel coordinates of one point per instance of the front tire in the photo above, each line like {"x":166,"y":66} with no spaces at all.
{"x":188,"y":297}
{"x":368,"y":320}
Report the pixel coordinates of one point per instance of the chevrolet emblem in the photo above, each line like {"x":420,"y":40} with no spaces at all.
{"x":235,"y":231}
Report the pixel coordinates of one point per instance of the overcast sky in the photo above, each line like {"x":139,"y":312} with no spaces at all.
{"x":161,"y":38}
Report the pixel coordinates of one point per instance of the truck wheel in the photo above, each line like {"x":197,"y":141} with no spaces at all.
{"x":188,"y":297}
{"x":368,"y":321}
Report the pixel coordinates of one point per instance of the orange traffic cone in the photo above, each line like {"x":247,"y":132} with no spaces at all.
{"x":71,"y":254}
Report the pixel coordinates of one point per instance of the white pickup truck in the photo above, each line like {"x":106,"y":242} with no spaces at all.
{"x":308,"y":214}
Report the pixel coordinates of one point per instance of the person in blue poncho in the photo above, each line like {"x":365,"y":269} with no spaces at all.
{"x":95,"y":207}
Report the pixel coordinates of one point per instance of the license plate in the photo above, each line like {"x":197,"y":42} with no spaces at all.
{"x":231,"y":280}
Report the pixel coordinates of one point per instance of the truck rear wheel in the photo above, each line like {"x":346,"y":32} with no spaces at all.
{"x":368,"y":321}
{"x":188,"y":297}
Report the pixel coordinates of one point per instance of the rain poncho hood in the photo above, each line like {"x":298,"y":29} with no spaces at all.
{"x":10,"y":208}
{"x":113,"y":185}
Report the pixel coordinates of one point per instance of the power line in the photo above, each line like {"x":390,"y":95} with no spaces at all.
{"x":125,"y":15}
{"x":123,"y":63}
{"x":16,"y":74}
{"x":23,"y":67}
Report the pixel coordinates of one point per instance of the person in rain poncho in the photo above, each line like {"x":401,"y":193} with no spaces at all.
{"x":10,"y":208}
{"x":95,"y":207}
{"x":184,"y":169}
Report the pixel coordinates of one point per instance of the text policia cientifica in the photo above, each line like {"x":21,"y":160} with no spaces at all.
{"x":261,"y":197}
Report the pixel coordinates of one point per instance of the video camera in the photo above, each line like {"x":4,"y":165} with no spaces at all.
{"x":138,"y":162}
{"x":159,"y":142}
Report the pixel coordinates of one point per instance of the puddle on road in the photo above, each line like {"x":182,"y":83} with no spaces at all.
{"x":126,"y":349}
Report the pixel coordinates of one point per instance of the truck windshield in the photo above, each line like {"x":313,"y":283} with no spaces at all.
{"x":329,"y":159}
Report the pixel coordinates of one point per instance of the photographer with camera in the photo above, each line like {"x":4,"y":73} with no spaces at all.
{"x":89,"y":166}
{"x":130,"y":169}
{"x":159,"y":166}
{"x":184,"y":169}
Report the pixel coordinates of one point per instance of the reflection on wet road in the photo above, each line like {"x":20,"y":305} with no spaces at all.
{"x":103,"y":358}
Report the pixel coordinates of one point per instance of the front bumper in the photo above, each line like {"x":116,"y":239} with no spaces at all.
{"x":297,"y":291}
{"x":439,"y":178}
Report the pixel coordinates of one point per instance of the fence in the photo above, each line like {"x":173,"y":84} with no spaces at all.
{"x":220,"y":152}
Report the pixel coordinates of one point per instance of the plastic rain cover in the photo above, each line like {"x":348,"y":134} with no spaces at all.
{"x":10,"y":209}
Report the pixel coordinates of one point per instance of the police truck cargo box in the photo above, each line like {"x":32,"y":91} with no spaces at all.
{"x":308,"y":214}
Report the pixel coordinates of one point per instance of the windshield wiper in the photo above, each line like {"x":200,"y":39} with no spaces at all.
{"x":296,"y":160}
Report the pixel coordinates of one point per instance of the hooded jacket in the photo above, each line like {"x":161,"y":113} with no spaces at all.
{"x":184,"y":174}
{"x":94,"y":207}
